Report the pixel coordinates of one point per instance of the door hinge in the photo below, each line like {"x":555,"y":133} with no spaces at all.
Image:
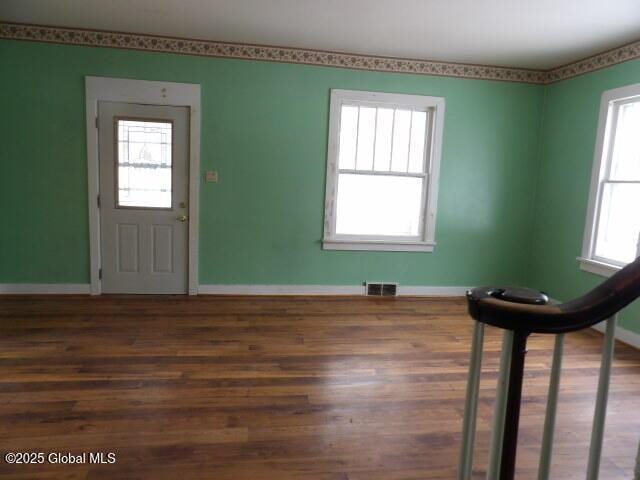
{"x":98,"y":201}
{"x":100,"y":273}
{"x":96,"y":122}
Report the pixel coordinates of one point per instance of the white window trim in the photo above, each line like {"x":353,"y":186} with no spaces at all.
{"x":589,"y":262}
{"x":150,"y":93}
{"x":425,"y":242}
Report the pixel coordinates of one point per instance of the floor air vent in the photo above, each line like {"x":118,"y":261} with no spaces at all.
{"x":379,"y":289}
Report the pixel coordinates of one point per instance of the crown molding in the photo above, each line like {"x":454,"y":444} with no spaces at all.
{"x":207,"y":48}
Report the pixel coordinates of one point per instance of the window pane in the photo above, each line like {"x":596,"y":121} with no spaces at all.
{"x":400,"y":153}
{"x":416,"y":147}
{"x":348,"y":134}
{"x":366,"y":132}
{"x":619,"y":226}
{"x":384,"y":128}
{"x":626,"y":149}
{"x":144,"y":164}
{"x":378,"y":205}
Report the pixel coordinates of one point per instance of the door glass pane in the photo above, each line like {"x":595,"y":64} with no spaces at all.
{"x":625,"y":162}
{"x":144,"y":163}
{"x":619,"y":225}
{"x":378,"y":205}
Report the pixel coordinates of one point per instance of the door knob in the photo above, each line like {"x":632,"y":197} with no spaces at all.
{"x":182,"y":218}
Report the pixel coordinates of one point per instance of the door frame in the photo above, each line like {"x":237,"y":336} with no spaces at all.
{"x":106,"y":89}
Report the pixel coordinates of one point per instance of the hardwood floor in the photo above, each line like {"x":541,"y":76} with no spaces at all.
{"x":280,"y":388}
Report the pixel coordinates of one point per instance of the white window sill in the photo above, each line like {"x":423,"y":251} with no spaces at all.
{"x":599,"y":268}
{"x":378,"y":245}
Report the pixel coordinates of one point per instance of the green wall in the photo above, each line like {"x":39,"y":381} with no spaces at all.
{"x":570,"y":122}
{"x":264,"y":129}
{"x":515,"y":171}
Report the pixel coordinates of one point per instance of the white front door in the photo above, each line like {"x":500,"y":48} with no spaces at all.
{"x":144,"y":189}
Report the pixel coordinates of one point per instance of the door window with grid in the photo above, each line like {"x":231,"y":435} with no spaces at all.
{"x":144,"y":163}
{"x":382,"y":169}
{"x":613,"y":231}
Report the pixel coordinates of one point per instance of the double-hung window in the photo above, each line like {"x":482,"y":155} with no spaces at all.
{"x":382,"y":171}
{"x":612,"y":234}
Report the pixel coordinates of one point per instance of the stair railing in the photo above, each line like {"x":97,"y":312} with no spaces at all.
{"x":520,"y":312}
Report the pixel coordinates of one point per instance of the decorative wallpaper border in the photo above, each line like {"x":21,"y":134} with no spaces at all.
{"x":631,"y":51}
{"x":98,"y":38}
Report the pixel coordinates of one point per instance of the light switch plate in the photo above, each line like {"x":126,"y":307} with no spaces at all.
{"x":211,"y":176}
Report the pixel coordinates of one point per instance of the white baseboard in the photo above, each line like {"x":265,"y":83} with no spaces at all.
{"x":423,"y":291}
{"x":622,"y":334}
{"x":44,"y":288}
{"x":217,"y":289}
{"x":213,"y":289}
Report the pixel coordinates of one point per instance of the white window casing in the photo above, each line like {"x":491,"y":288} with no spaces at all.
{"x":603,"y":180}
{"x":400,"y":158}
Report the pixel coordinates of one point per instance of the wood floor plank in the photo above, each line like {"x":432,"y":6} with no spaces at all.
{"x":284,"y":388}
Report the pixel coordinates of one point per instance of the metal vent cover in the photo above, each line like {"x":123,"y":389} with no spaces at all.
{"x":381,"y":289}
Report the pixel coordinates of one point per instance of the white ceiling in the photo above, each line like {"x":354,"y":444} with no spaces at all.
{"x":519,"y":33}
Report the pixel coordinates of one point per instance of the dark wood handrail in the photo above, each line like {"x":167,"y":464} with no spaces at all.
{"x":487,"y":305}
